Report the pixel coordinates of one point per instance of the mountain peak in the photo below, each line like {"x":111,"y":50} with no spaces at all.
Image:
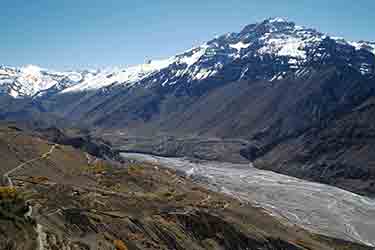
{"x":276,"y":20}
{"x":276,"y":42}
{"x":270,"y":25}
{"x":32,"y":69}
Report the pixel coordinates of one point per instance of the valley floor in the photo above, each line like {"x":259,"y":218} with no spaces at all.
{"x":321,"y":208}
{"x":59,"y":197}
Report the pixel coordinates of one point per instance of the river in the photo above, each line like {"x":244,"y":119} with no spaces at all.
{"x":317,"y":207}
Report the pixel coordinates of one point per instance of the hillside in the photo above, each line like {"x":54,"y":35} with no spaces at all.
{"x":74,"y":200}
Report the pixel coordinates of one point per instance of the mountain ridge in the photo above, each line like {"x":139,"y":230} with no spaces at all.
{"x":289,"y":45}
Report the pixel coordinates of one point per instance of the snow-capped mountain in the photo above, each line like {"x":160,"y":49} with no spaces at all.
{"x":31,"y":80}
{"x":281,"y":44}
{"x":267,"y":50}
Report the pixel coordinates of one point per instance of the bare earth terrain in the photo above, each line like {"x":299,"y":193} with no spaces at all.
{"x":55,"y":196}
{"x":322,"y":208}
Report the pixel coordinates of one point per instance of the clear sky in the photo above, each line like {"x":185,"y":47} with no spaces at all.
{"x":68,"y":34}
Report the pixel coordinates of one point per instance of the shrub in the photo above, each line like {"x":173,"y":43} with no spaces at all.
{"x":135,"y":169}
{"x":39,"y":179}
{"x":120,"y":245}
{"x":8,"y":193}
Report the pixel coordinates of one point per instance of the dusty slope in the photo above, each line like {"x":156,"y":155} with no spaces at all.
{"x":324,"y":209}
{"x":85,"y":203}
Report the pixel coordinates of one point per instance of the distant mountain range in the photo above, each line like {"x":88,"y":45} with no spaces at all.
{"x":280,"y":46}
{"x":302,"y":100}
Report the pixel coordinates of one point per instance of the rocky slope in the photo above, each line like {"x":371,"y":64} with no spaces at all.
{"x":63,"y":198}
{"x":340,"y":152}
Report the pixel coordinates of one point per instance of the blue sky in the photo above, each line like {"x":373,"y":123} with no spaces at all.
{"x":68,"y":34}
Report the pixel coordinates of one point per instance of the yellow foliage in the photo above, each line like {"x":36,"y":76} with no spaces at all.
{"x":135,"y":169}
{"x":120,"y":245}
{"x":39,"y":179}
{"x":97,"y":168}
{"x":8,"y":192}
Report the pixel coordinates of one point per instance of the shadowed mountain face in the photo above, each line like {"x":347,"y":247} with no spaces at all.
{"x":64,"y":198}
{"x":340,"y":152}
{"x":299,"y":101}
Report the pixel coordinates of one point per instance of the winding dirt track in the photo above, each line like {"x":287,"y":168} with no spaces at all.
{"x":43,"y":156}
{"x":39,"y":228}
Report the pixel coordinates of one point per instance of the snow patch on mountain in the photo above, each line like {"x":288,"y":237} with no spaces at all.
{"x":277,"y":20}
{"x":240,"y":45}
{"x":197,"y":53}
{"x":126,"y":76}
{"x":291,"y":43}
{"x":75,"y":76}
{"x":363,"y":45}
{"x":203,"y":73}
{"x":134,"y":74}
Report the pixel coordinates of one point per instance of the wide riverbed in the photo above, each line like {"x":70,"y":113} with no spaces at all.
{"x":321,"y":208}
